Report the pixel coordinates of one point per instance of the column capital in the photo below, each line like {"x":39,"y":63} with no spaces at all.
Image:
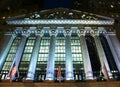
{"x":14,"y":36}
{"x":27,"y":35}
{"x":53,"y":32}
{"x":80,"y":32}
{"x":67,"y":32}
{"x":85,"y":30}
{"x":41,"y":34}
{"x":95,"y":34}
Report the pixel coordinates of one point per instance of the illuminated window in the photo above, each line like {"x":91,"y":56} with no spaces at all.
{"x":42,"y":58}
{"x":60,"y":55}
{"x":26,"y":57}
{"x":77,"y":57}
{"x":11,"y":54}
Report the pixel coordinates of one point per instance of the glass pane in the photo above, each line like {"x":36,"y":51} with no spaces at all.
{"x":77,"y":55}
{"x":60,"y":55}
{"x":42,"y":58}
{"x":11,"y":54}
{"x":26,"y":57}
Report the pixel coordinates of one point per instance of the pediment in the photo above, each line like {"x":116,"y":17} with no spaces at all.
{"x":61,"y":14}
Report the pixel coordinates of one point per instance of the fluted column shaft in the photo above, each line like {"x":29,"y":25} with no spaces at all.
{"x":69,"y":63}
{"x":116,"y":45}
{"x":86,"y":59}
{"x":113,"y":50}
{"x":51,"y":59}
{"x":4,"y":55}
{"x":102,"y":55}
{"x":33,"y":62}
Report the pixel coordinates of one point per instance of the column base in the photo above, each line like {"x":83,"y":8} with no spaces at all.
{"x":27,"y":80}
{"x":89,"y":78}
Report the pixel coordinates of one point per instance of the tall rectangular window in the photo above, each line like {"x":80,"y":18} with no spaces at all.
{"x":42,"y":58}
{"x":77,"y":57}
{"x":26,"y":57}
{"x":60,"y":55}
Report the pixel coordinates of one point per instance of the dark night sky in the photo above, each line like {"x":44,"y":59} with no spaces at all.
{"x":42,"y":4}
{"x":57,"y":3}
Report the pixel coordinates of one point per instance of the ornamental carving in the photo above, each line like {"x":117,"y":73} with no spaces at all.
{"x":61,"y":13}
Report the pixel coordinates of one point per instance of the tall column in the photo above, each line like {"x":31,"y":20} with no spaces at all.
{"x":33,"y":62}
{"x":116,"y":45}
{"x":4,"y":55}
{"x":86,"y":59}
{"x":19,"y":53}
{"x":114,"y":52}
{"x":51,"y":59}
{"x":69,"y":63}
{"x":102,"y":55}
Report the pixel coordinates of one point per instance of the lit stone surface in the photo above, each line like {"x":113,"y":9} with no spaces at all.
{"x":62,"y":41}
